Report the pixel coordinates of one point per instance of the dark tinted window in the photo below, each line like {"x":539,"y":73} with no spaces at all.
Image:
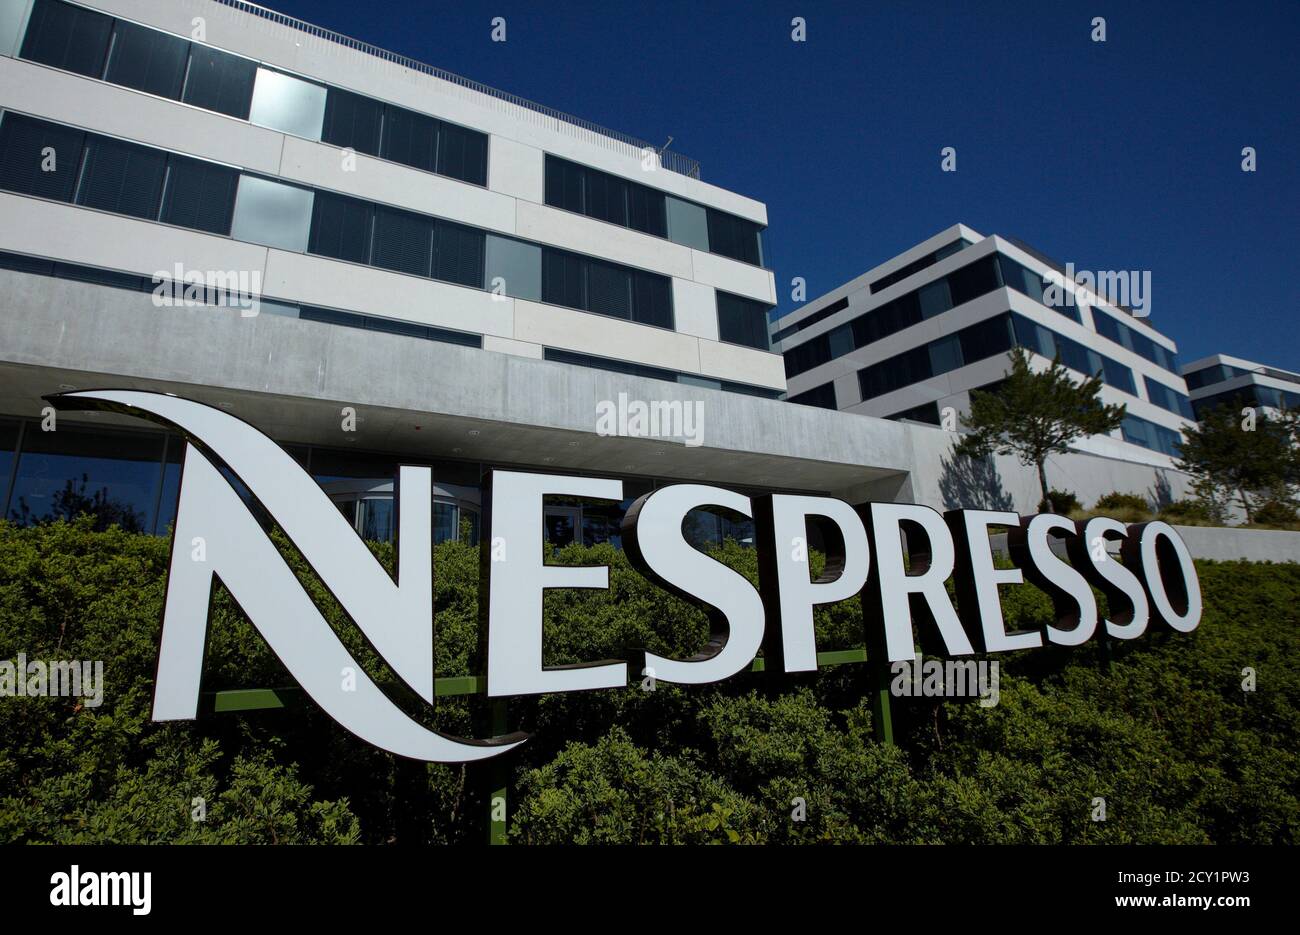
{"x":24,"y":143}
{"x":742,"y":321}
{"x":805,"y":356}
{"x":220,"y":81}
{"x":199,"y":195}
{"x":563,"y":279}
{"x":458,"y":254}
{"x":647,"y":210}
{"x":564,"y":183}
{"x":410,"y":138}
{"x":902,"y":370}
{"x":969,"y":282}
{"x":609,"y":289}
{"x":147,"y":60}
{"x":733,"y":237}
{"x":604,"y":363}
{"x":67,"y":37}
{"x":352,"y":121}
{"x":122,"y":177}
{"x":926,"y":412}
{"x":822,"y":396}
{"x":652,"y":299}
{"x":403,"y":241}
{"x":985,"y":339}
{"x":462,"y":153}
{"x":340,"y":228}
{"x":606,"y":198}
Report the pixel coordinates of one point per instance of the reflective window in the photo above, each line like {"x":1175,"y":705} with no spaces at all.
{"x":39,"y":158}
{"x":122,"y":177}
{"x":147,"y":60}
{"x":8,"y":448}
{"x":219,"y":81}
{"x":688,"y":224}
{"x":272,"y":214}
{"x":288,"y":104}
{"x":934,"y":298}
{"x":517,"y":265}
{"x":68,"y":37}
{"x":113,"y":477}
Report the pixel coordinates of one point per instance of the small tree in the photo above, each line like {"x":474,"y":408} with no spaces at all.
{"x":1036,"y":415}
{"x":1243,"y":453}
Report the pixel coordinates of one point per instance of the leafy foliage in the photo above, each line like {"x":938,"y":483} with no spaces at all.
{"x":1222,"y":452}
{"x":1036,"y":415}
{"x":1159,"y":726}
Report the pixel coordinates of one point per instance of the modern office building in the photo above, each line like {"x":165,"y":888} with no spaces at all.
{"x":918,"y":333}
{"x":1220,"y":380}
{"x":378,"y":262}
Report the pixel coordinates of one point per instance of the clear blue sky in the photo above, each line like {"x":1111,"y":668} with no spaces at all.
{"x":1115,"y":155}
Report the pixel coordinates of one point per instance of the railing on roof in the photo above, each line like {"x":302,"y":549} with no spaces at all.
{"x":672,"y":161}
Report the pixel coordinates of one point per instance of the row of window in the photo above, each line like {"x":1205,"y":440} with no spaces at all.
{"x":884,"y":282}
{"x":207,"y":295}
{"x":934,"y":298}
{"x":1149,"y":435}
{"x":121,"y":52}
{"x":820,"y":315}
{"x":960,"y":286}
{"x":1217,"y":373}
{"x":1168,"y":398}
{"x":1252,"y":395}
{"x":210,"y":296}
{"x":898,"y":275}
{"x":1109,"y":327}
{"x":131,"y":478}
{"x":822,"y":397}
{"x":980,"y":341}
{"x":54,"y":161}
{"x":655,"y":373}
{"x":617,"y":200}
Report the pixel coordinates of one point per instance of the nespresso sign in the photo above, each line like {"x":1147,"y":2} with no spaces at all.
{"x":218,"y":538}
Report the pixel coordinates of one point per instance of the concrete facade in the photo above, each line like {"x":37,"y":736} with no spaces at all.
{"x":1219,"y":378}
{"x":952,"y":388}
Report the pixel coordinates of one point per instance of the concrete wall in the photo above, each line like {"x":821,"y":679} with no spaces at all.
{"x":944,"y":481}
{"x":1252,"y":545}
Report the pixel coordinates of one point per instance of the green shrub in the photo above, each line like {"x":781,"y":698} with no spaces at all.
{"x":1188,"y":512}
{"x":1275,"y":513}
{"x":1062,"y":502}
{"x":1121,"y":501}
{"x":1159,"y":726}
